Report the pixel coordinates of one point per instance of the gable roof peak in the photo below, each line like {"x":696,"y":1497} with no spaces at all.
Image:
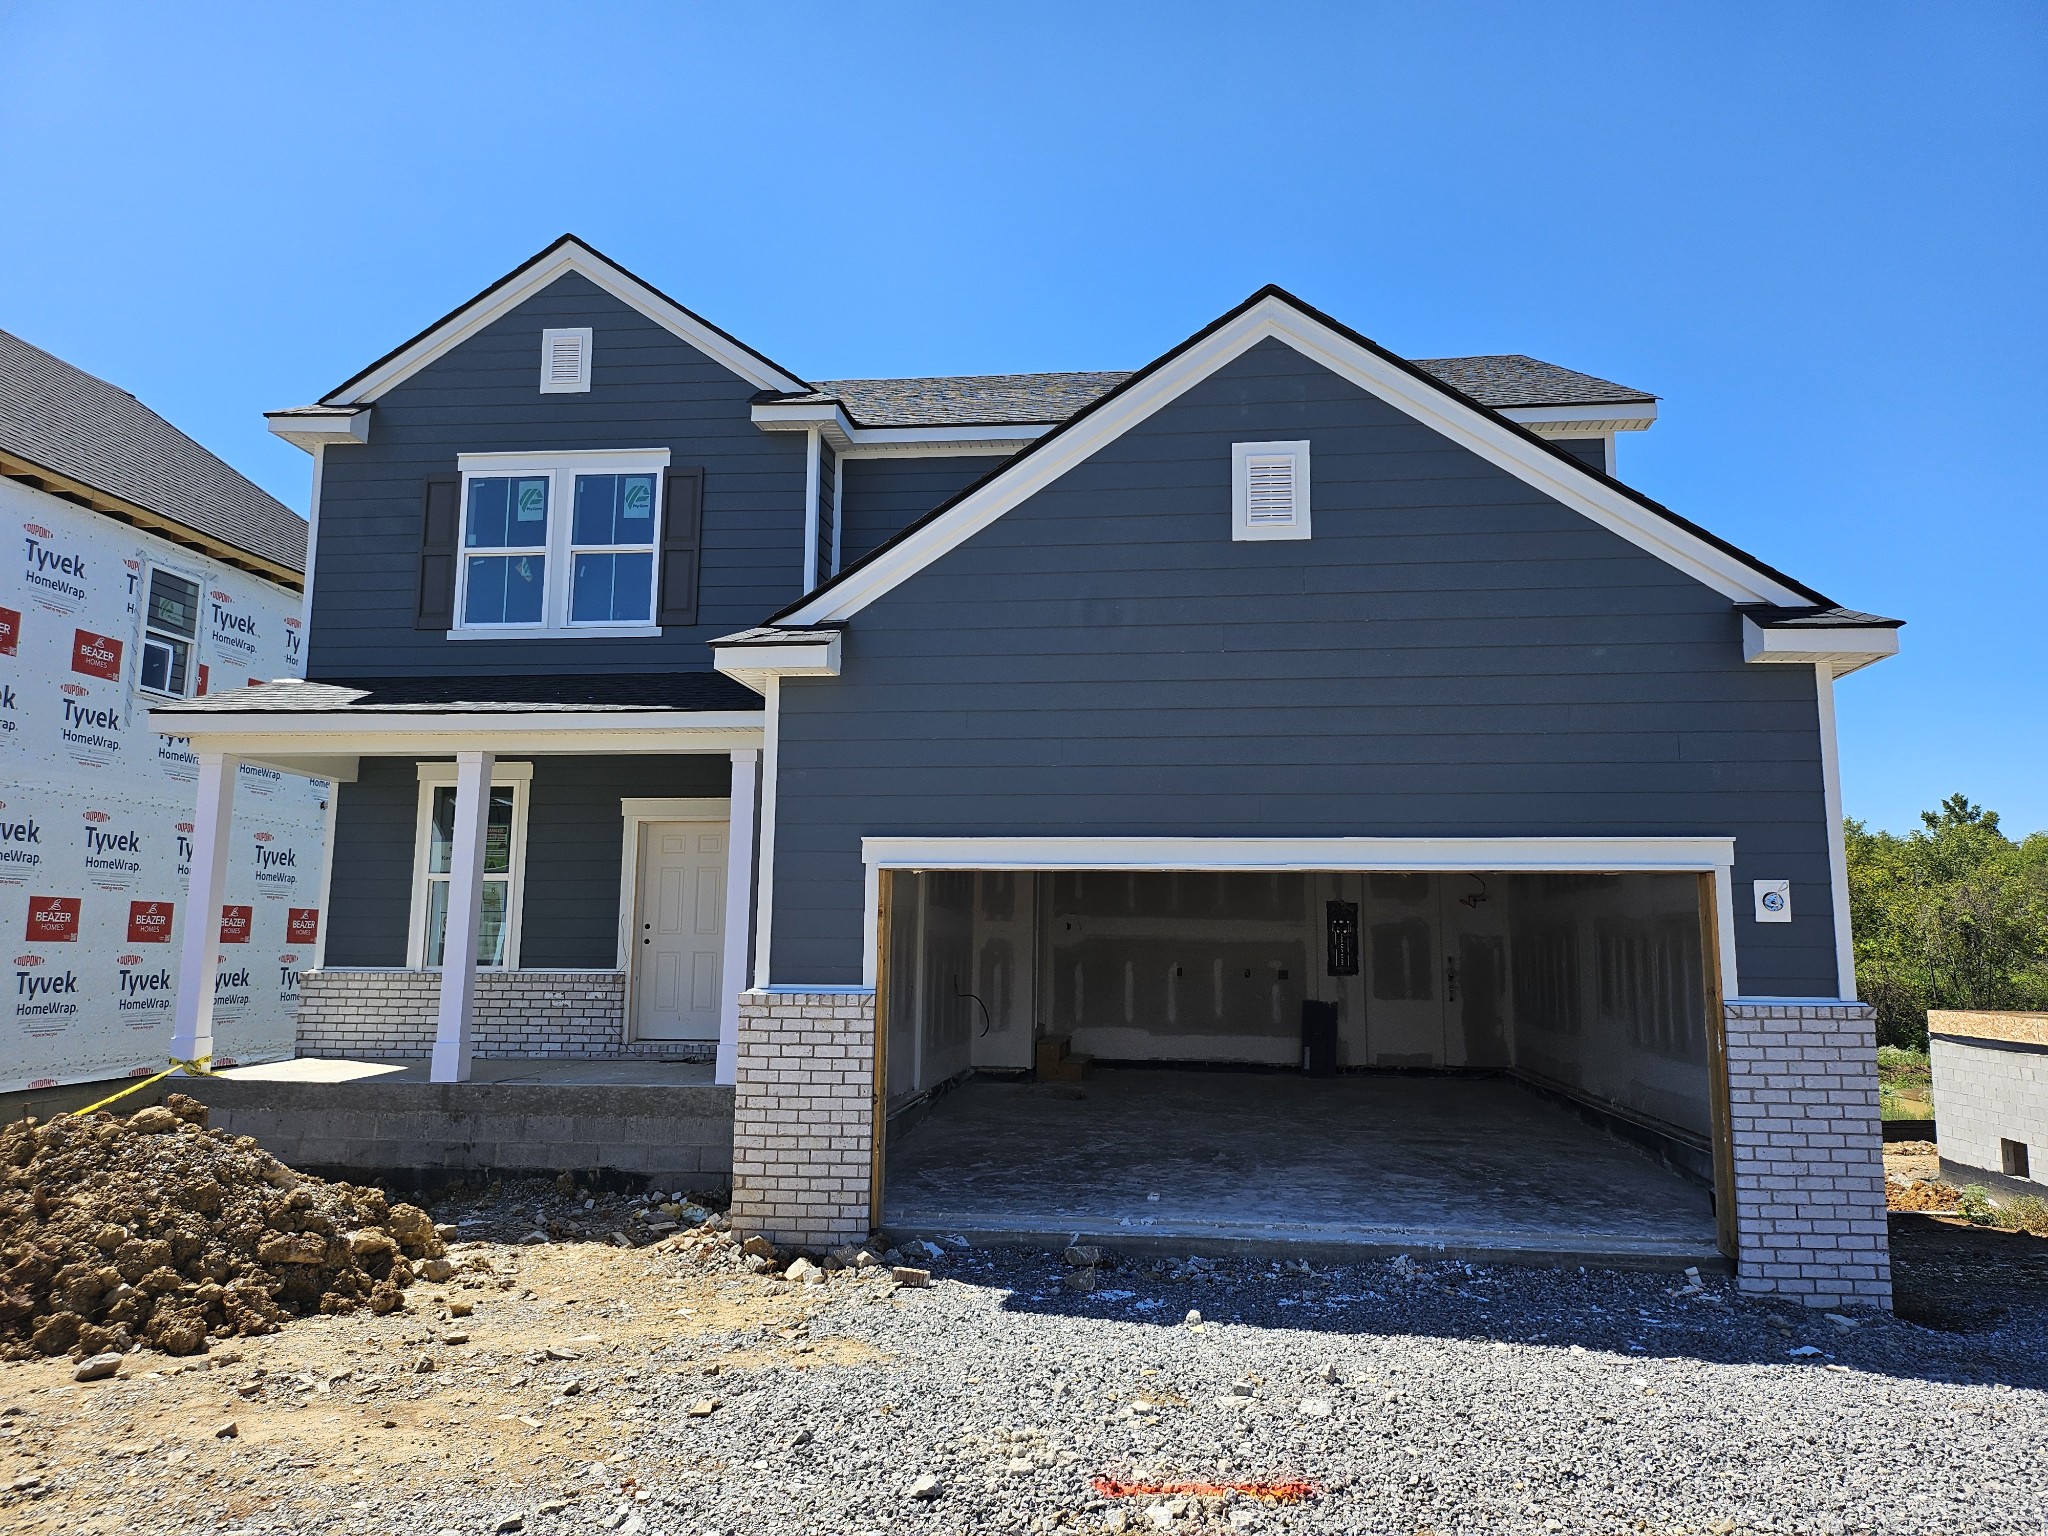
{"x":567,"y":253}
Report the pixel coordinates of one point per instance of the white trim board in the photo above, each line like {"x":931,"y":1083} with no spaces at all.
{"x":508,"y":293}
{"x":1274,"y":318}
{"x":1408,"y":855}
{"x":427,"y":733}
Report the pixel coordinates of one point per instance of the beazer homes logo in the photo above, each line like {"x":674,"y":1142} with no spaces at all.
{"x":96,"y":655}
{"x":149,"y":922}
{"x":301,"y":925}
{"x":235,"y":923}
{"x":10,"y":632}
{"x":53,"y":919}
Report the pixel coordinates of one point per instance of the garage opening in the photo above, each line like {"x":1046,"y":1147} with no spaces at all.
{"x":1483,"y":1063}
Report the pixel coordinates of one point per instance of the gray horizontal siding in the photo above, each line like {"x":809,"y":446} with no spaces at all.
{"x":574,"y":843}
{"x":648,"y":390}
{"x":885,"y":496}
{"x":1452,"y":654}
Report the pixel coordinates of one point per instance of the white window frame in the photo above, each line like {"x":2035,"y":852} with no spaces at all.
{"x":549,"y":384}
{"x":149,"y":570}
{"x":560,"y":471}
{"x":518,"y":777}
{"x":1242,"y":528}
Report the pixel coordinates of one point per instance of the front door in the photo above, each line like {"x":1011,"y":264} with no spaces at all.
{"x":680,"y":927}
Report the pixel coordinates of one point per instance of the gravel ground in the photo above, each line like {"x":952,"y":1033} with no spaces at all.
{"x":1411,"y":1397}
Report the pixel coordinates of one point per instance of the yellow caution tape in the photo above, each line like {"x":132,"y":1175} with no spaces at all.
{"x":199,"y":1068}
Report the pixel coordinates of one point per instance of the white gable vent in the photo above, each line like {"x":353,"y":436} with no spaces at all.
{"x":1269,"y":491}
{"x":565,"y":361}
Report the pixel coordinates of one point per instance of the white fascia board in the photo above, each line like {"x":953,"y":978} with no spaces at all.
{"x":1551,"y":855}
{"x":851,"y":441}
{"x":754,"y":663}
{"x":426,"y":732}
{"x":1546,"y":420}
{"x":1841,"y":650}
{"x":493,"y":306}
{"x":315,"y":430}
{"x":1274,"y":319}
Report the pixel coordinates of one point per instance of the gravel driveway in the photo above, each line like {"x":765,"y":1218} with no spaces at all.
{"x":561,"y":1385}
{"x":1430,"y":1398}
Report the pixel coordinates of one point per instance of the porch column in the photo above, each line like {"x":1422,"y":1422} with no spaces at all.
{"x":465,"y":907}
{"x":199,"y":950}
{"x":739,"y":907}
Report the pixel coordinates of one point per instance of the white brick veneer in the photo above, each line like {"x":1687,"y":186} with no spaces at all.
{"x":1809,"y":1152}
{"x":803,"y":1116}
{"x":392,"y":1013}
{"x":1988,"y":1093}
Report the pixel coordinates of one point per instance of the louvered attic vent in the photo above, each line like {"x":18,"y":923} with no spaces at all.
{"x":1269,"y":491}
{"x":565,"y":361}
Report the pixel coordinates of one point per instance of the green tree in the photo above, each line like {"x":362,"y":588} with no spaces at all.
{"x":1953,"y":915}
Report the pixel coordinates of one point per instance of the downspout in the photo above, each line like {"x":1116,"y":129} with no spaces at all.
{"x":312,"y":548}
{"x":1838,"y":851}
{"x":814,"y":439}
{"x":838,"y":504}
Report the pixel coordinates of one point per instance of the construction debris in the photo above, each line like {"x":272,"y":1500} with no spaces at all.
{"x":155,"y":1230}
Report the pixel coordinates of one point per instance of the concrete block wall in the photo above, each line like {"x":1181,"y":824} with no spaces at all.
{"x":803,"y":1116}
{"x":1988,"y":1090}
{"x":1809,"y":1152}
{"x":677,"y":1135}
{"x":391,"y":1015}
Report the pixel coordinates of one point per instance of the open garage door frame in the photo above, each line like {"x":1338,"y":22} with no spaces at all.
{"x":1711,"y":859}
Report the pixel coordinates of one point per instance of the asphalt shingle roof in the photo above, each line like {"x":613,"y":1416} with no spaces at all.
{"x":534,"y":694}
{"x":65,"y":420}
{"x":1011,"y":399}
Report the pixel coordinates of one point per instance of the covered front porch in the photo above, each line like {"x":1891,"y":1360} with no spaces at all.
{"x":524,"y":869}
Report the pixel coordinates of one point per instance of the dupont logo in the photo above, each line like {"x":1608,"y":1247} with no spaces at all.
{"x":221,"y":597}
{"x":127,"y":959}
{"x":302,"y":925}
{"x":10,"y":632}
{"x":76,"y":690}
{"x":53,"y":919}
{"x":287,"y":959}
{"x":185,"y":827}
{"x":97,"y":816}
{"x":133,"y":565}
{"x":96,"y":655}
{"x":291,"y":623}
{"x":264,"y":837}
{"x":149,"y":922}
{"x":235,"y":923}
{"x":31,"y":961}
{"x":38,"y":530}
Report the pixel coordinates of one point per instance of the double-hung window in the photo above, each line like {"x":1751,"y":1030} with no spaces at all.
{"x":559,"y":544}
{"x":504,"y":865}
{"x":170,"y":634}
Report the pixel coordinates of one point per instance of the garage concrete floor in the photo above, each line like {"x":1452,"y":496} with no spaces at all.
{"x":1477,"y":1168}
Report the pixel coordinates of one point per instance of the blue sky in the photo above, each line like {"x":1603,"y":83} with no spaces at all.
{"x":1814,"y":230}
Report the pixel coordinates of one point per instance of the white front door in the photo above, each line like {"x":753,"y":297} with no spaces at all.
{"x":679,"y":930}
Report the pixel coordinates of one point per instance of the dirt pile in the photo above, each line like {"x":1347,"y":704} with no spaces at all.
{"x":154,"y":1229}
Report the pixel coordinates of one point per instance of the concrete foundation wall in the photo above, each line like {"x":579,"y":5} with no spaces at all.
{"x":1988,"y":1091}
{"x":1809,"y":1152}
{"x":680,"y":1137}
{"x":390,"y":1015}
{"x":803,"y":1116}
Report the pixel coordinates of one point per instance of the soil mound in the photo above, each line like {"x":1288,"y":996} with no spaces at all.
{"x":154,"y":1229}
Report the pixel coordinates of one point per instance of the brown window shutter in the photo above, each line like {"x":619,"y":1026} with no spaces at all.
{"x":682,"y":547}
{"x":440,"y":526}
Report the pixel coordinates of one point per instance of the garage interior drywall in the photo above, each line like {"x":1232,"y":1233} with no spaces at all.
{"x":1589,"y":986}
{"x":1520,"y":1066}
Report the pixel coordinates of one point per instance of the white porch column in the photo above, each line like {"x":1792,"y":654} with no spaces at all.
{"x":739,"y":907}
{"x":199,"y":950}
{"x":465,"y":907}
